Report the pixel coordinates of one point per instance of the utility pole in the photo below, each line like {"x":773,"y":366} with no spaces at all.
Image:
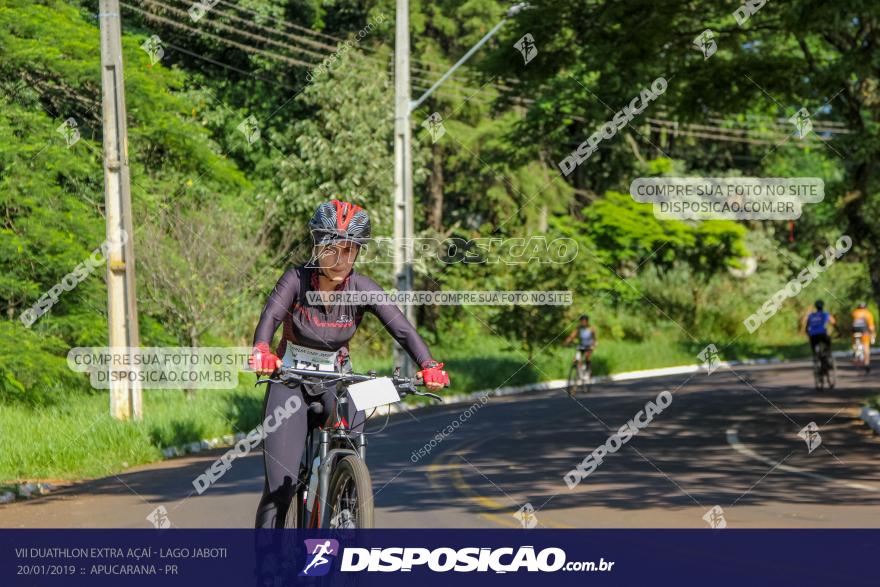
{"x":125,"y":396}
{"x":404,"y":226}
{"x":403,"y":191}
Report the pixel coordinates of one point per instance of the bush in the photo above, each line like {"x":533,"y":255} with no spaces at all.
{"x":33,"y":368}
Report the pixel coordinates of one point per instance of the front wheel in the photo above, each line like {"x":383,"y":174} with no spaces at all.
{"x":351,"y":495}
{"x":587,"y":376}
{"x":573,"y":380}
{"x":831,"y":374}
{"x":294,"y":515}
{"x":818,"y":375}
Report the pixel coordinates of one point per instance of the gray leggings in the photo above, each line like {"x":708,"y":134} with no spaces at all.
{"x":283,"y":448}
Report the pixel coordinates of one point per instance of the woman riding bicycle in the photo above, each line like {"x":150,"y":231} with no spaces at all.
{"x":338,"y":229}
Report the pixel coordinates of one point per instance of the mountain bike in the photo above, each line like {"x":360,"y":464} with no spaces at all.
{"x":334,"y":489}
{"x":580,"y":375}
{"x":859,"y":351}
{"x":824,"y":367}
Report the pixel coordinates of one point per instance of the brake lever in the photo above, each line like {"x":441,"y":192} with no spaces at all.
{"x":292,"y":379}
{"x":428,"y":394}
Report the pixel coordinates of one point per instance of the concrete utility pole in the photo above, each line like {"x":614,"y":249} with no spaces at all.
{"x":125,"y":396}
{"x":404,"y":227}
{"x":403,"y":192}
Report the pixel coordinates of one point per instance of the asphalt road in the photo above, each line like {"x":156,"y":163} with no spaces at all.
{"x":728,"y":439}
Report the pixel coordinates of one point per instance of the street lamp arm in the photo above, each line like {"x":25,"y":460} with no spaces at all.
{"x":415,"y":104}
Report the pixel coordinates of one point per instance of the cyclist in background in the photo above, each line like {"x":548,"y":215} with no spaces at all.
{"x":817,"y":329}
{"x":587,"y":341}
{"x":863,"y":324}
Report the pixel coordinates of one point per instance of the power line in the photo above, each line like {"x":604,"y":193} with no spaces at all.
{"x":339,"y":40}
{"x":685,"y":129}
{"x":246,"y":48}
{"x":226,"y":65}
{"x":222,"y":27}
{"x":377,"y":61}
{"x":153,"y":16}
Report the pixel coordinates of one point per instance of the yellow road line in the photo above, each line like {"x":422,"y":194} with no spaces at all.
{"x":458,"y":482}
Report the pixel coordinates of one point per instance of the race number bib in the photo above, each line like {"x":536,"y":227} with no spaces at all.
{"x":300,"y":357}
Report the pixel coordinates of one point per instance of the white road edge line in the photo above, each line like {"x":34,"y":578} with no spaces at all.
{"x":733,"y":441}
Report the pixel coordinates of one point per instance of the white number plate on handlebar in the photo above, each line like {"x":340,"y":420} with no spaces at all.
{"x":300,"y":357}
{"x":373,"y":393}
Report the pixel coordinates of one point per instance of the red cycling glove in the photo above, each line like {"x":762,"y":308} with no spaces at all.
{"x":434,"y":373}
{"x":263,"y":360}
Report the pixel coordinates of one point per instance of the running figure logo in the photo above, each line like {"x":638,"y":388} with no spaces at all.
{"x":705,"y":42}
{"x":715,"y":517}
{"x":526,"y":46}
{"x":434,"y":125}
{"x":810,"y":435}
{"x":153,"y":47}
{"x":250,"y":128}
{"x":802,"y":123}
{"x":526,"y":516}
{"x":321,"y":552}
{"x":709,"y":357}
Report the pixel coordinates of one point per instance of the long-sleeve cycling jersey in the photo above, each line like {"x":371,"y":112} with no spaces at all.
{"x":317,"y":327}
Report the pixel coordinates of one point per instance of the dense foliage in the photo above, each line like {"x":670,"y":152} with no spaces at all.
{"x":218,"y":216}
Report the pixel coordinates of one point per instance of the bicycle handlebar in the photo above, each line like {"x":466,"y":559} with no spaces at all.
{"x":292,"y":376}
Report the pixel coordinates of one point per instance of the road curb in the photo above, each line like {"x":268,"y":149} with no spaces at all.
{"x":625,"y":376}
{"x":870,"y":416}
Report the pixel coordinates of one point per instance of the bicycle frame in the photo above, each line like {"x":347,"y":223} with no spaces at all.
{"x":330,"y":445}
{"x":859,"y":350}
{"x":327,"y":459}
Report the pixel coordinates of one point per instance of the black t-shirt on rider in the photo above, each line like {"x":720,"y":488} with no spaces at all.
{"x":330,"y":328}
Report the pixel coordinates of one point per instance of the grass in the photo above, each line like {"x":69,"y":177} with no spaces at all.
{"x":75,"y":438}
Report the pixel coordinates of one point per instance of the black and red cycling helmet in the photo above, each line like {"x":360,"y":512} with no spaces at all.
{"x":336,"y":221}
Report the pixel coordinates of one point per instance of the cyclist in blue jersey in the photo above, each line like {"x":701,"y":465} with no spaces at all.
{"x":817,"y":328}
